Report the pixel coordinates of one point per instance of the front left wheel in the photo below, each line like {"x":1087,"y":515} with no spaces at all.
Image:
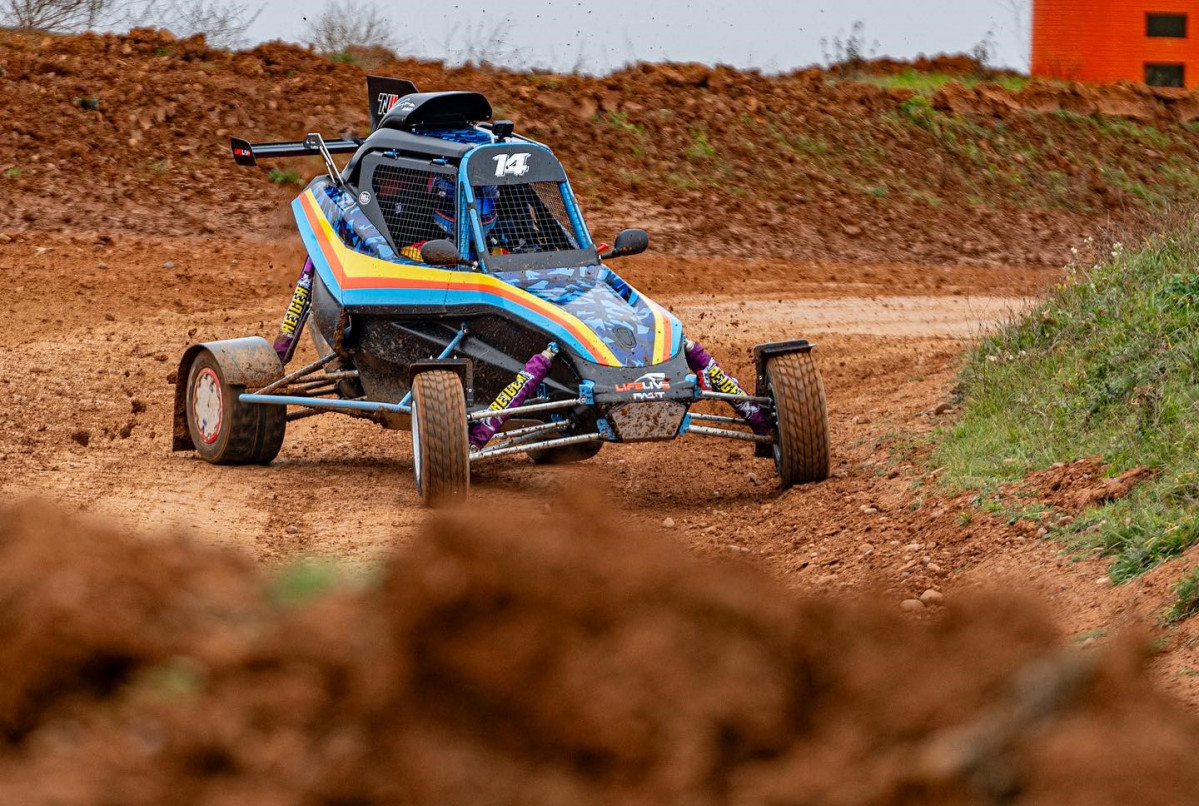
{"x":801,"y":449}
{"x":224,"y":430}
{"x":440,"y":447}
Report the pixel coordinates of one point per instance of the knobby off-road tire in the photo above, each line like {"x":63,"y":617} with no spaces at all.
{"x":801,"y":453}
{"x":440,"y":448}
{"x":224,"y":430}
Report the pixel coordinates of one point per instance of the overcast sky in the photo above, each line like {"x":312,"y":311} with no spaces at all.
{"x":769,"y":34}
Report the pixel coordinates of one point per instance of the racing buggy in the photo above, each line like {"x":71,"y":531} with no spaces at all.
{"x":452,"y":289}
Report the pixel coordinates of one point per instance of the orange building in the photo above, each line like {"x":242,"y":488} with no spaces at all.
{"x":1153,"y":41}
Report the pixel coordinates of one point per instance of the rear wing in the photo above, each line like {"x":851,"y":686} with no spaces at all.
{"x":247,"y":153}
{"x":381,"y":95}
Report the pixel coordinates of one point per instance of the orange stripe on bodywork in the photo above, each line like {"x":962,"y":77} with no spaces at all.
{"x":354,"y":270}
{"x":662,"y":332}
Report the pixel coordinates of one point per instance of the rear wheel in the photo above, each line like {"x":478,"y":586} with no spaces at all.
{"x":566,"y":455}
{"x":801,"y":450}
{"x":440,"y":449}
{"x":224,"y":430}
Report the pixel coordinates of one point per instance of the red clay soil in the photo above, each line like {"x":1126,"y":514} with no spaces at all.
{"x":560,"y":659}
{"x":130,"y":134}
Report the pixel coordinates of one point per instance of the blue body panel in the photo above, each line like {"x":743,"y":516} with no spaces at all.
{"x":622,"y":318}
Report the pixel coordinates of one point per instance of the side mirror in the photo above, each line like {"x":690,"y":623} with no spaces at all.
{"x":628,"y":242}
{"x":440,"y":253}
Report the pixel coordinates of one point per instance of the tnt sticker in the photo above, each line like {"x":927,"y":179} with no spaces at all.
{"x":364,"y":197}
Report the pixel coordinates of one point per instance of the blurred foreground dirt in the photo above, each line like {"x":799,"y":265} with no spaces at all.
{"x":542,"y":660}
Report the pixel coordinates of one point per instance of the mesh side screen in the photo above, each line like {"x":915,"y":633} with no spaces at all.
{"x":530,"y":218}
{"x":408,"y":200}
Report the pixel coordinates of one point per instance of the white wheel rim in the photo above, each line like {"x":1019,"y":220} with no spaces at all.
{"x":777,"y":447}
{"x":416,"y":446}
{"x":208,"y":405}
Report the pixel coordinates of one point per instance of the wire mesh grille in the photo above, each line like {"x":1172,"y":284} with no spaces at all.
{"x":530,"y":218}
{"x":409,"y":198}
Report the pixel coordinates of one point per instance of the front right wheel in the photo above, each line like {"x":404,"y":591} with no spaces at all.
{"x":440,"y":447}
{"x":801,"y":448}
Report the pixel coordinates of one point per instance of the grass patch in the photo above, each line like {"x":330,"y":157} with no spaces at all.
{"x":620,"y":121}
{"x":1090,"y":635}
{"x":304,"y":581}
{"x":288,"y":177}
{"x":12,"y":173}
{"x":1186,"y":598}
{"x":1107,"y":365}
{"x":929,"y":83}
{"x":701,"y":147}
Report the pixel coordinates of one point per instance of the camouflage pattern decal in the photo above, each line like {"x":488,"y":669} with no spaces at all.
{"x":351,"y":225}
{"x":626,"y":324}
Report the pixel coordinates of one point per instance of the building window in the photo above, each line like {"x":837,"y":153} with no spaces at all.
{"x":1172,"y":26}
{"x":1165,"y":75}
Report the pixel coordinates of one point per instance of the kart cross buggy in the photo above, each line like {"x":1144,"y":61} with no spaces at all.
{"x":452,"y":289}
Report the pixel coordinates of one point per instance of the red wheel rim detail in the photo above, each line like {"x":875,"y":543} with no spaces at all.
{"x":208,"y":405}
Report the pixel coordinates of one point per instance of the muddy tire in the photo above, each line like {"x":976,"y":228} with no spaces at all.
{"x":440,"y":449}
{"x":566,"y":455}
{"x":801,"y":450}
{"x":224,"y":430}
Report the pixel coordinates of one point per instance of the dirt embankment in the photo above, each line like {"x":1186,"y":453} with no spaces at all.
{"x":130,"y":133}
{"x":559,"y":659}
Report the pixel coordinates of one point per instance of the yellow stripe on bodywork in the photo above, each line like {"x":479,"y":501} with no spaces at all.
{"x":360,"y":270}
{"x":661,"y":332}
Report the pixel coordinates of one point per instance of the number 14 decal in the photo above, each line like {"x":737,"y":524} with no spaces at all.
{"x":512,"y":164}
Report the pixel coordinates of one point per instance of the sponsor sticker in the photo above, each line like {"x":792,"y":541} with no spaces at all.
{"x":650,"y":386}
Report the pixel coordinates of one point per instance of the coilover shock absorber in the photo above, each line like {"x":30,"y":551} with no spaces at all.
{"x":295,"y":315}
{"x":713,"y":377}
{"x":514,"y":394}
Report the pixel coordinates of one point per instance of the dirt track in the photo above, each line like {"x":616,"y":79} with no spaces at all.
{"x":108,"y":339}
{"x":89,"y":351}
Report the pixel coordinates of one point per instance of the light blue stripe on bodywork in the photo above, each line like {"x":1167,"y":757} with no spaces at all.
{"x":380,"y":297}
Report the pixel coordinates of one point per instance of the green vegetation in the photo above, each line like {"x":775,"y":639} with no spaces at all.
{"x":1090,"y":635}
{"x":929,"y":83}
{"x":287,"y":177}
{"x":343,"y":58}
{"x":1186,"y":598}
{"x":1108,"y":365}
{"x":620,"y":122}
{"x":12,"y":173}
{"x":701,"y":147}
{"x":176,"y":679}
{"x":304,"y":581}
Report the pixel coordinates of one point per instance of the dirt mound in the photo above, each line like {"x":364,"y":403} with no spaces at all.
{"x":131,"y":133}
{"x":960,"y":65}
{"x":1075,"y":486}
{"x":567,"y":659}
{"x":1136,"y":102}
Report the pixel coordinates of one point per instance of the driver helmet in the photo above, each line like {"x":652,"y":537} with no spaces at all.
{"x":445,"y":208}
